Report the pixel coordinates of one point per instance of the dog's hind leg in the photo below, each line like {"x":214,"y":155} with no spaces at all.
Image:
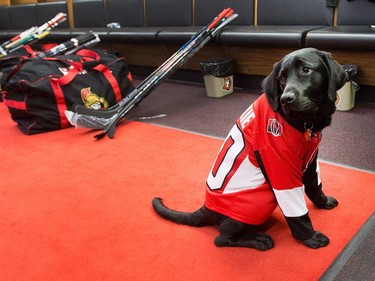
{"x":236,"y":234}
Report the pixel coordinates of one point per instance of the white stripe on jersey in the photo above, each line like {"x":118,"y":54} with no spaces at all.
{"x":318,"y":172}
{"x":246,"y":177}
{"x":292,"y":201}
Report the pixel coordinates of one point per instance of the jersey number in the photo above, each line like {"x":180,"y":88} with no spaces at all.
{"x":228,"y":160}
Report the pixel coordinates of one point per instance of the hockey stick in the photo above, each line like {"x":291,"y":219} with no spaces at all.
{"x":108,"y":119}
{"x":154,"y":77}
{"x":110,"y":128}
{"x":30,"y":35}
{"x":108,"y":113}
{"x":87,"y":39}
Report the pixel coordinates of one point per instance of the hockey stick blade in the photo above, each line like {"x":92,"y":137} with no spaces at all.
{"x":89,"y":122}
{"x":110,"y":128}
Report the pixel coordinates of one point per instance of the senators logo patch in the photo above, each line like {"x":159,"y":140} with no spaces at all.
{"x":274,"y":127}
{"x":93,"y":101}
{"x":227,"y":83}
{"x":338,"y":99}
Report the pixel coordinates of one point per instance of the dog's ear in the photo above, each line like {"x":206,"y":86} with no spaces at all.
{"x":272,"y":88}
{"x":336,"y":74}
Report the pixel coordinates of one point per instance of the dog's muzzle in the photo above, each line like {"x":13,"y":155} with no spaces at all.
{"x":287,"y":98}
{"x":296,"y":106}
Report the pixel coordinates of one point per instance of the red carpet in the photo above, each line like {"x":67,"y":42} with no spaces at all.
{"x":73,"y":208}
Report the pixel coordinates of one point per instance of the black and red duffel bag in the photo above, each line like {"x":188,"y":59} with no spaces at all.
{"x":37,"y":92}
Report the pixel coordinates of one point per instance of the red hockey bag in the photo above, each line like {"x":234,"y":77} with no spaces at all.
{"x":38,"y":91}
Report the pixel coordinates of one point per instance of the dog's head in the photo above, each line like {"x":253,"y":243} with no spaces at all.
{"x":302,"y":87}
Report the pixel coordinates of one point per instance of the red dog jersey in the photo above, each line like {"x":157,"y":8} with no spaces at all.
{"x":236,"y":186}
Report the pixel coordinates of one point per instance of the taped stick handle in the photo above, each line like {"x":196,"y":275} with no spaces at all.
{"x":219,"y":18}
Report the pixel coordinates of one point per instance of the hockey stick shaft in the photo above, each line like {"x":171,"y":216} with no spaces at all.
{"x":70,"y":45}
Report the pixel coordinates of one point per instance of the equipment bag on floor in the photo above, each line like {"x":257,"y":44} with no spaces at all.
{"x":37,"y":92}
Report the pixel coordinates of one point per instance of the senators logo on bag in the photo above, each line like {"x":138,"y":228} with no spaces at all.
{"x":93,"y":101}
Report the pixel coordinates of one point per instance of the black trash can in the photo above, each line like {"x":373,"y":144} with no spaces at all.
{"x":218,"y":77}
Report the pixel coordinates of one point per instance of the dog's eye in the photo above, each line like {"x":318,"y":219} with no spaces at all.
{"x":306,"y":70}
{"x":282,"y":80}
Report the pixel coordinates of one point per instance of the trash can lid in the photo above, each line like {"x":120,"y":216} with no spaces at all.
{"x":219,"y":67}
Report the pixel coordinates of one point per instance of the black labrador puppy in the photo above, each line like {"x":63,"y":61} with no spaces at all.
{"x":269,"y":158}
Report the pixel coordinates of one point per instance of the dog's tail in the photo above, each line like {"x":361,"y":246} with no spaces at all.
{"x":197,"y":218}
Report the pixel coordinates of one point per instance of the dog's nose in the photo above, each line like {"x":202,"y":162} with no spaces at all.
{"x":287,"y":98}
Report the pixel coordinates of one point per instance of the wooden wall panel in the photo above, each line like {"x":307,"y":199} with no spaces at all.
{"x":364,"y":60}
{"x":255,"y":61}
{"x":252,"y":61}
{"x":143,"y":55}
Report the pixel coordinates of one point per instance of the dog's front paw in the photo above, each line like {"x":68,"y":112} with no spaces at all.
{"x":328,"y":203}
{"x":331,"y":203}
{"x":318,"y":240}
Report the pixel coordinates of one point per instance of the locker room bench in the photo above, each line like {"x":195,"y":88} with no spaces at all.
{"x":351,"y":40}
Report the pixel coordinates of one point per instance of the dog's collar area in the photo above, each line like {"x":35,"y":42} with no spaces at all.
{"x":308,"y":131}
{"x":308,"y":126}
